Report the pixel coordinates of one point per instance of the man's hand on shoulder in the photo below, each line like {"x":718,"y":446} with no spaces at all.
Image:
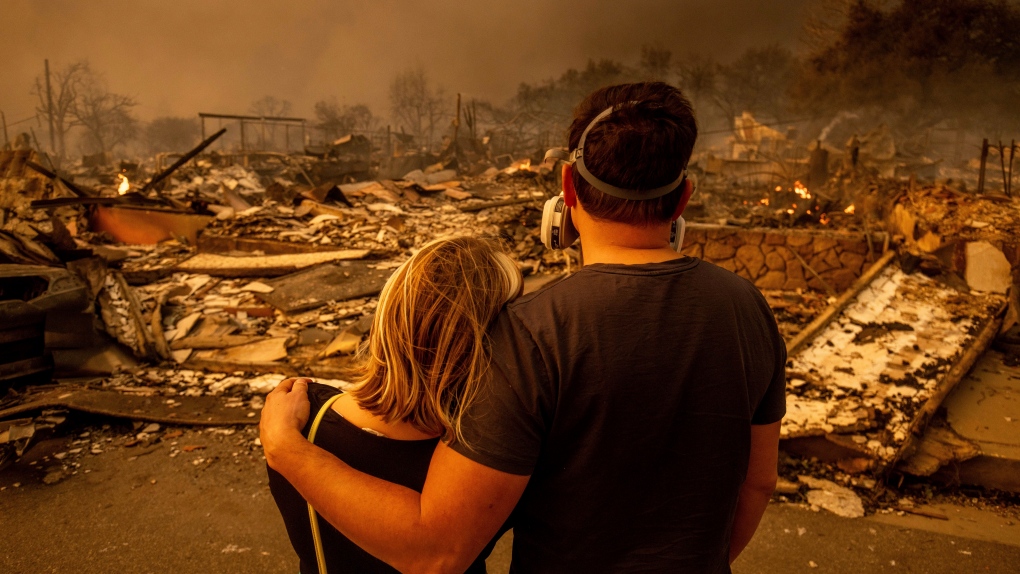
{"x":284,"y":416}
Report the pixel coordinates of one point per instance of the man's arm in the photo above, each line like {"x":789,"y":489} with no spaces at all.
{"x":760,"y":483}
{"x":443,"y":529}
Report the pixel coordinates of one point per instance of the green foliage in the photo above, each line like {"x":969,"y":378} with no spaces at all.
{"x":922,"y":62}
{"x":557,"y":98}
{"x":538,"y":116}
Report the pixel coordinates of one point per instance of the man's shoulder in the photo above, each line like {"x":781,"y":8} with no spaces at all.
{"x":587,"y":284}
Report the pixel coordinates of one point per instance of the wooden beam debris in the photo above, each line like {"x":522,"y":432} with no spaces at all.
{"x":333,"y":282}
{"x":263,"y":266}
{"x":184,"y":410}
{"x":826,"y":317}
{"x":182,"y":160}
{"x":72,"y":187}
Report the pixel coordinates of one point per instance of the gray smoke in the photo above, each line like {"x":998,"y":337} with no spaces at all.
{"x":840,"y":117}
{"x":186,"y":56}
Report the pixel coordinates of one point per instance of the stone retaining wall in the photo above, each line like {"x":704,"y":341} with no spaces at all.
{"x":769,"y":257}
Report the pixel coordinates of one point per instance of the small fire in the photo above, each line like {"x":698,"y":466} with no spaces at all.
{"x":824,"y":219}
{"x":525,"y":165}
{"x":779,"y":188}
{"x":849,"y":209}
{"x":790,"y":211}
{"x":764,"y":201}
{"x":801,"y":190}
{"x":125,"y":185}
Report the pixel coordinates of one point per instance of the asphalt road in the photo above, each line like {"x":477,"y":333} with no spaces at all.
{"x":167,"y":508}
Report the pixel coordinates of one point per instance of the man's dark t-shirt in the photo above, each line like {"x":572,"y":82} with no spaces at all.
{"x":628,"y":392}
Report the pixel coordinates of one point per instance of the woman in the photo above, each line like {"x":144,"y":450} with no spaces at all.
{"x":410,"y":383}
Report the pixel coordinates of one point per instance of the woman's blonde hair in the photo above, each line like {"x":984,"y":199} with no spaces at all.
{"x":427,"y":349}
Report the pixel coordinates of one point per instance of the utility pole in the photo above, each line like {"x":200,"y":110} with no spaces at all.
{"x":3,"y":119}
{"x":456,"y":123}
{"x":49,"y":107}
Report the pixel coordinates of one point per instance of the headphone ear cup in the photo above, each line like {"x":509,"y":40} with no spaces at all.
{"x":558,"y":231}
{"x":676,"y":234}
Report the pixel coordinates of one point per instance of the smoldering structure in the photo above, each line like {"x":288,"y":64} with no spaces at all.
{"x":179,"y":288}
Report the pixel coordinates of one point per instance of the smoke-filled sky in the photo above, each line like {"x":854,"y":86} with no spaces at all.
{"x":184,"y":56}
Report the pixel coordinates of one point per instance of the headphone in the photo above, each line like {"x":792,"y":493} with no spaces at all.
{"x":558,"y":231}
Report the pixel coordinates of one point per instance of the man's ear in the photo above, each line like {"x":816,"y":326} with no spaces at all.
{"x":686,"y":197}
{"x":569,"y":193}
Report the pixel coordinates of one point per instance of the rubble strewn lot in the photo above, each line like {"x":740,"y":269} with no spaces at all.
{"x":183,"y":302}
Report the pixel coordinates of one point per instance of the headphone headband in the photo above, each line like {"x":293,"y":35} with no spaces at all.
{"x":577,"y":157}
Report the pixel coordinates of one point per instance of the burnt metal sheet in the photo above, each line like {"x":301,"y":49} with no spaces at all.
{"x":32,"y":298}
{"x":311,"y":288}
{"x":147,"y":226}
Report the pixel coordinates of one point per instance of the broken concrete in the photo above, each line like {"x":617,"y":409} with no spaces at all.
{"x":984,"y":411}
{"x":987,"y":268}
{"x":837,"y":499}
{"x":880,"y":360}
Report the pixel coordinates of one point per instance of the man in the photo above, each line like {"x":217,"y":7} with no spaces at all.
{"x":631,"y":412}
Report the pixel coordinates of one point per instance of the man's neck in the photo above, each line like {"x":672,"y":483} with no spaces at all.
{"x":619,"y":243}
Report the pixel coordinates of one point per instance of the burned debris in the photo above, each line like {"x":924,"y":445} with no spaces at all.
{"x":180,"y":289}
{"x":161,"y":285}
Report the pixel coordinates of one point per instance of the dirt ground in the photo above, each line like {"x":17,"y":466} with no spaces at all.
{"x":199,"y":502}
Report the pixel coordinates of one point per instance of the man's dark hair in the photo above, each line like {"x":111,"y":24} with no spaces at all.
{"x":645,"y":143}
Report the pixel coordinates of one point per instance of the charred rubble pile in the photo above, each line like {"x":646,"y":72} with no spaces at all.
{"x":180,"y":294}
{"x":216,"y":281}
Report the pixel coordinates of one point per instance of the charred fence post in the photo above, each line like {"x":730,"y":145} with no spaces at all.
{"x":1009,"y":181}
{"x":984,"y":160}
{"x":1002,"y":163}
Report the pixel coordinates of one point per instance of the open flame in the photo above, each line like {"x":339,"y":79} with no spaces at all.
{"x":849,"y":209}
{"x":525,"y":164}
{"x":125,"y":185}
{"x":801,"y":190}
{"x":824,"y":219}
